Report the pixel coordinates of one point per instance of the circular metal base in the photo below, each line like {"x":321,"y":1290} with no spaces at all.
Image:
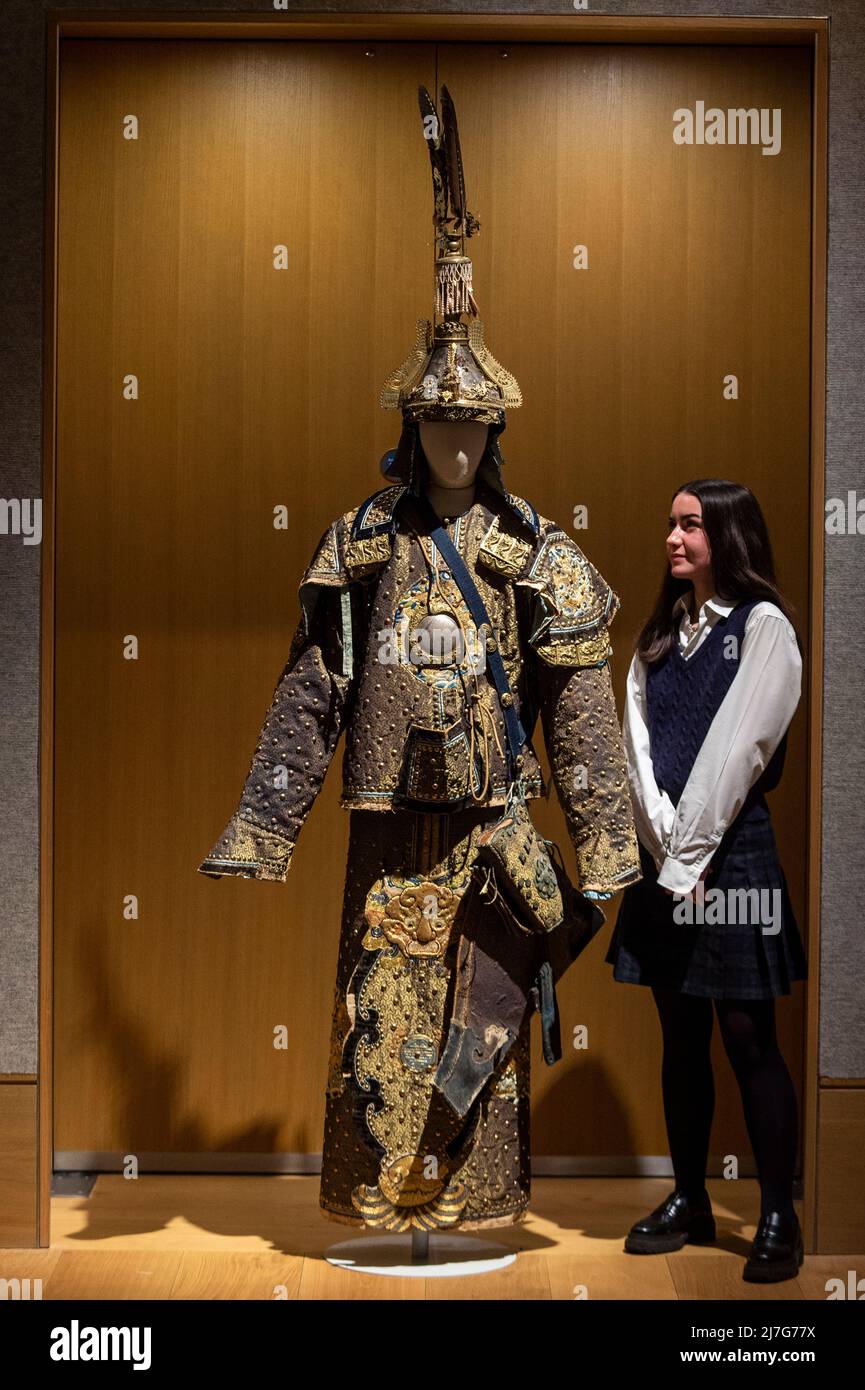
{"x":446,"y":1255}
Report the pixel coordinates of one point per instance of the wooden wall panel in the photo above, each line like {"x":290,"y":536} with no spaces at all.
{"x":257,"y":388}
{"x":840,"y":1145}
{"x":699,"y":266}
{"x":18,"y":1166}
{"x":260,"y":388}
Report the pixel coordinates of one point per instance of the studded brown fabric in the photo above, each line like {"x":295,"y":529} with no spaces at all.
{"x":346,"y":672}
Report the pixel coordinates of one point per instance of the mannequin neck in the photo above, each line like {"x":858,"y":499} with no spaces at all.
{"x":451,"y":501}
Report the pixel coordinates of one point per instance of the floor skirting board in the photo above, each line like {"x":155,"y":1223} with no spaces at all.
{"x":551,"y":1166}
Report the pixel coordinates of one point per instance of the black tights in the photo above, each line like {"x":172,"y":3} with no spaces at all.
{"x":768,"y":1098}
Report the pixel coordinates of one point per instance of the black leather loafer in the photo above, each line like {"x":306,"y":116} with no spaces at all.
{"x":777,"y":1251}
{"x":676,"y":1222}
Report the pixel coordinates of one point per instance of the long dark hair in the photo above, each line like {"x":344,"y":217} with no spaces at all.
{"x":741,"y":555}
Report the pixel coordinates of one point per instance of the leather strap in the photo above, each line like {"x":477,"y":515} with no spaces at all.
{"x":514,"y":730}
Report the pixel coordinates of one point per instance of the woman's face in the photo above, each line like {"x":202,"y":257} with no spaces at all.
{"x":687,"y":544}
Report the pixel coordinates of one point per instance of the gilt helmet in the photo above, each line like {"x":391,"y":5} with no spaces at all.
{"x":450,"y":374}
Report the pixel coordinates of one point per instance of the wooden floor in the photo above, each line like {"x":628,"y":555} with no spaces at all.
{"x":236,"y":1237}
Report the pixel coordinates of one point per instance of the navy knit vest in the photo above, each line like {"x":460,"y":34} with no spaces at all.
{"x":683,"y":697}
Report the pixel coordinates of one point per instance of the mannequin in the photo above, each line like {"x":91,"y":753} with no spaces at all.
{"x":453,"y":450}
{"x":428,"y":768}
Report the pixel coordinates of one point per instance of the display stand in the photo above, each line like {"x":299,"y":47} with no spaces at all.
{"x":424,"y":1254}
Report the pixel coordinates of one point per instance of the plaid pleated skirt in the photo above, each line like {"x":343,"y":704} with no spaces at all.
{"x":741,"y":942}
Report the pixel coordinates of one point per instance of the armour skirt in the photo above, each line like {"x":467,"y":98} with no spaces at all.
{"x":741,"y":942}
{"x":395,"y":1155}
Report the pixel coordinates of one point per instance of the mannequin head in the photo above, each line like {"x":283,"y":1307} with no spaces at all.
{"x":408,"y":464}
{"x":453,"y":450}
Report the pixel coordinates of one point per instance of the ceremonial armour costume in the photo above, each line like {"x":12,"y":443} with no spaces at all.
{"x":425,"y":768}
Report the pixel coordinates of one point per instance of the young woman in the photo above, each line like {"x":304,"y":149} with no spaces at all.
{"x":712,"y":688}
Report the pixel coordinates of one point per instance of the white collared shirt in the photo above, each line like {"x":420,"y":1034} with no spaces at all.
{"x":747,"y":728}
